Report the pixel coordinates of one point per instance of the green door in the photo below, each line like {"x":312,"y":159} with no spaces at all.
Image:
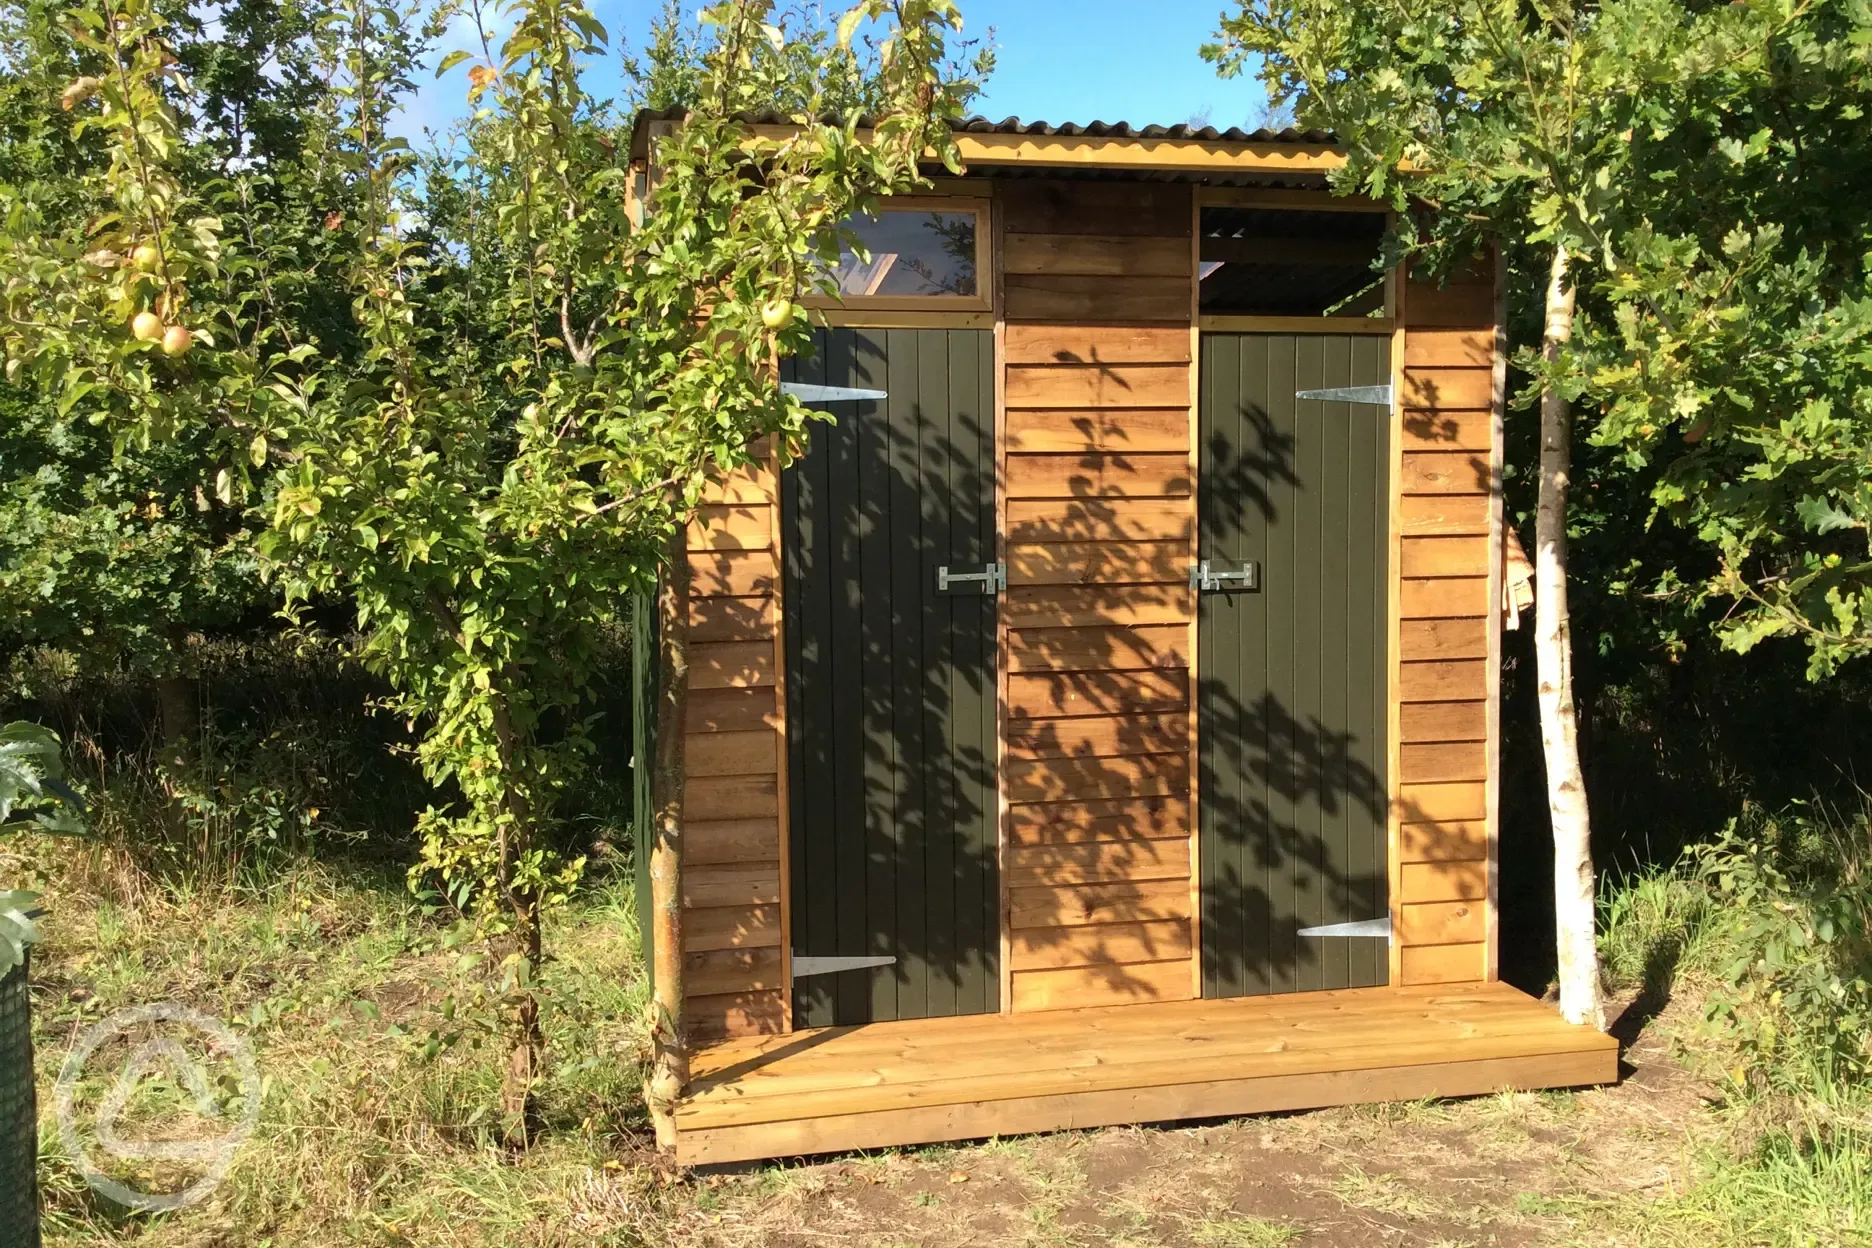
{"x":1291,"y":695}
{"x":891,"y":681}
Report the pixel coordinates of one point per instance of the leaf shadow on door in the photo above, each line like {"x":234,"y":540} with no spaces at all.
{"x":891,"y":682}
{"x":1292,"y":696}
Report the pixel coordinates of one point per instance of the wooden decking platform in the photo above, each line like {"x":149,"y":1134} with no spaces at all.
{"x":924,"y":1081}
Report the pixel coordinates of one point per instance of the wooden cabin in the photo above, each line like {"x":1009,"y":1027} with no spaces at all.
{"x":1101,"y":727}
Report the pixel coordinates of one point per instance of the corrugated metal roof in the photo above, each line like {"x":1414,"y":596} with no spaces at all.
{"x":1125,"y":130}
{"x":1014,"y":125}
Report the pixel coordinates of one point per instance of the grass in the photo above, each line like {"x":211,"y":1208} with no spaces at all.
{"x":339,"y":987}
{"x":376,"y":1127}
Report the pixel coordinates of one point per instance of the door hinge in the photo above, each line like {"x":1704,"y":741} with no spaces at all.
{"x":804,"y":966}
{"x":810,"y":393}
{"x":1378,"y":928}
{"x":992,"y":578}
{"x":1210,"y":580}
{"x":1378,"y":395}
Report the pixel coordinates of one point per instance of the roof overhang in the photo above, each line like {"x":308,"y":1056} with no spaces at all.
{"x":1177,"y":150}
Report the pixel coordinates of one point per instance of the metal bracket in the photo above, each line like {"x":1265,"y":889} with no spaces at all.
{"x":1379,"y":396}
{"x":1379,"y":928}
{"x":1208,"y":580}
{"x":992,"y":578}
{"x":804,"y":966}
{"x":810,"y":393}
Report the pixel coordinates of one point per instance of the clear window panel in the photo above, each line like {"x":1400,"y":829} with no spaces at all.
{"x":914,"y":253}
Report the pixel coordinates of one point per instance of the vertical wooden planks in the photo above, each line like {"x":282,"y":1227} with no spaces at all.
{"x":1448,"y":650}
{"x":1292,"y":711}
{"x":893,"y":772}
{"x":1097,"y":363}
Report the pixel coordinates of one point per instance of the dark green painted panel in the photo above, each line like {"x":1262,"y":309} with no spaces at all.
{"x":1291,"y":710}
{"x":890,"y":684}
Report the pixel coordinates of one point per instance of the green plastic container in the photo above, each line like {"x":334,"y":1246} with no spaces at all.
{"x":19,"y":1115}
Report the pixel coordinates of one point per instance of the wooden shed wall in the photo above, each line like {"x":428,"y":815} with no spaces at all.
{"x":1448,"y":641}
{"x":1099,"y":525}
{"x":734,"y":874}
{"x":1098,"y":521}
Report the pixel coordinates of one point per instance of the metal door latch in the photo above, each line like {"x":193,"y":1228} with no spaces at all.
{"x":1210,"y":580}
{"x":804,"y":966}
{"x":1378,"y":928}
{"x":992,"y":578}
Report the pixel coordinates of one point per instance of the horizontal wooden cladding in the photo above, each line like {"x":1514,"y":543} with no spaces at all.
{"x":740,"y":884}
{"x":1075,"y":606}
{"x":1096,"y":386}
{"x":1449,"y":348}
{"x":1120,"y":430}
{"x":736,"y":1014}
{"x":1081,"y":300}
{"x":1098,"y":862}
{"x":731,"y":619}
{"x":731,"y":664}
{"x":1080,"y":904}
{"x":1099,"y":563}
{"x":1427,"y":515}
{"x":1130,"y":209}
{"x":1449,"y":389}
{"x":1462,"y":760}
{"x":748,"y":753}
{"x":1441,"y":923}
{"x":1446,"y":472}
{"x":1443,"y":721}
{"x":1445,"y":556}
{"x":1111,"y":255}
{"x":733,"y":797}
{"x":1103,"y":519}
{"x":730,"y":842}
{"x":1458,"y":306}
{"x":1097,"y":344}
{"x":1105,"y":984}
{"x":1444,"y":880}
{"x":1097,"y":736}
{"x":719,"y":971}
{"x":1096,"y":477}
{"x":1443,"y":680}
{"x":731,"y":527}
{"x":732,"y":710}
{"x":1056,"y":948}
{"x":1057,"y":779}
{"x":1448,"y":431}
{"x":1098,"y":649}
{"x":732,"y":574}
{"x":1442,"y":964}
{"x":731,"y":927}
{"x":1426,"y":598}
{"x":1420,"y":640}
{"x":1095,"y":693}
{"x":1453,"y":840}
{"x":746,"y":487}
{"x":1152,"y":818}
{"x":1440,"y":803}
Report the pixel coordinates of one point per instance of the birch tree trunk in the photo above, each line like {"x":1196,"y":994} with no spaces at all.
{"x":670,"y":1072}
{"x":1574,"y":917}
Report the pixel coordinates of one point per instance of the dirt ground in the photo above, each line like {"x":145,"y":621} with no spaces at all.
{"x":1514,"y":1169}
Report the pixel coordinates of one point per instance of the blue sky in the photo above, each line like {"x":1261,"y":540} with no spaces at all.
{"x":1085,"y":60}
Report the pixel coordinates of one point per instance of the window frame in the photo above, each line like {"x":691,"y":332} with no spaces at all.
{"x":955,"y":206}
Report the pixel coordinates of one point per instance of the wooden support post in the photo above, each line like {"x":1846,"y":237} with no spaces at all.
{"x":670,"y":1070}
